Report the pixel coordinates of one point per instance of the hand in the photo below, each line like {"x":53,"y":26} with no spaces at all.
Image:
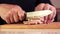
{"x":49,"y":18}
{"x":12,"y":14}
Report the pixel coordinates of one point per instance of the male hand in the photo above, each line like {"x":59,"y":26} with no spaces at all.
{"x":43,"y":6}
{"x":12,"y":13}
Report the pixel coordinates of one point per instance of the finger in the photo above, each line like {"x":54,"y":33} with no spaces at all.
{"x":20,"y":18}
{"x":11,"y":17}
{"x":46,"y":7}
{"x":54,"y":11}
{"x":45,"y":19}
{"x":52,"y":16}
{"x":7,"y":18}
{"x":40,"y":7}
{"x":41,"y":21}
{"x":21,"y":15}
{"x":49,"y":18}
{"x":51,"y":21}
{"x":15,"y":15}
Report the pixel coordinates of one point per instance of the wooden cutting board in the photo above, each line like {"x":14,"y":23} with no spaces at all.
{"x":52,"y":28}
{"x":54,"y":25}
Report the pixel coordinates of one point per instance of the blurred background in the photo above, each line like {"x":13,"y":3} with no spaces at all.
{"x":56,"y":3}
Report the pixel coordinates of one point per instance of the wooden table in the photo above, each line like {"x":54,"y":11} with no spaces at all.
{"x":52,"y":28}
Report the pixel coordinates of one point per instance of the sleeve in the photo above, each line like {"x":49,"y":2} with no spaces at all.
{"x":44,"y":1}
{"x":2,"y":21}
